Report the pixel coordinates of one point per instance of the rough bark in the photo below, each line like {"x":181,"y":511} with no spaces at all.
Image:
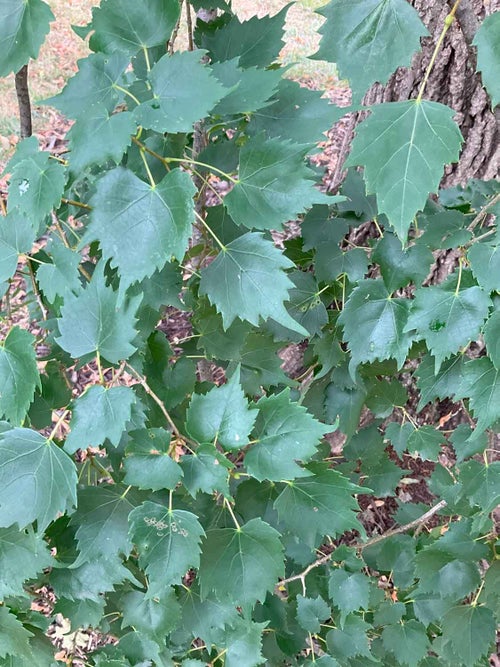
{"x":453,"y":82}
{"x":23,"y":100}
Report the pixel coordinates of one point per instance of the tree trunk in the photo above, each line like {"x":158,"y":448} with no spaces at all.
{"x":453,"y":82}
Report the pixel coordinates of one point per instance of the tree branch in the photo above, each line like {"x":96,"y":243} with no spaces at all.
{"x":360,"y":546}
{"x":24,"y":103}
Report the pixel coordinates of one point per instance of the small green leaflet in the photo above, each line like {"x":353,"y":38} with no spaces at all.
{"x":481,"y":484}
{"x":369,"y":39}
{"x":132,"y":25}
{"x":487,"y":40}
{"x":296,"y":113}
{"x":148,"y":464}
{"x":36,"y":185}
{"x":249,"y":89}
{"x":244,"y":644}
{"x":404,"y":147}
{"x":206,"y":470}
{"x":344,"y":405}
{"x":323,"y":504}
{"x":286,"y":433}
{"x":221,"y":415}
{"x":16,"y":236}
{"x":54,"y":279}
{"x":25,"y":23}
{"x":23,"y":554}
{"x":247,"y":281}
{"x":470,"y":630}
{"x":305,"y":306}
{"x":155,"y":617}
{"x":256,"y":42}
{"x":349,"y":641}
{"x":91,"y":321}
{"x":274,"y":184}
{"x":349,"y":591}
{"x":98,"y":76}
{"x":99,"y":414}
{"x":19,"y":376}
{"x":183,"y":90}
{"x":400,"y":266}
{"x":480,"y":383}
{"x":37,"y":471}
{"x":447,"y":318}
{"x":443,"y":384}
{"x":241,"y":564}
{"x":140,"y":227}
{"x":111,"y":134}
{"x":426,"y":441}
{"x":484,"y":260}
{"x":101,"y":522}
{"x":398,"y":435}
{"x":168,"y":542}
{"x":374,"y":324}
{"x":408,"y":641}
{"x":492,"y":338}
{"x":14,"y":637}
{"x":310,"y":611}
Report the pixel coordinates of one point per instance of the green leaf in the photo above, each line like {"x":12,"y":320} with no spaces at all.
{"x":99,"y":414}
{"x":25,"y":23}
{"x":37,"y":479}
{"x":447,"y":318}
{"x":81,"y":613}
{"x":101,"y":523}
{"x":396,"y":555}
{"x":426,"y":441}
{"x":310,"y":611}
{"x":222,"y":415}
{"x":443,"y":384}
{"x":369,"y":40}
{"x":400,"y":266}
{"x":344,"y":404}
{"x":381,"y":476}
{"x":183,"y":90}
{"x":296,"y":113}
{"x":480,"y":382}
{"x":91,"y":322}
{"x":249,"y":89}
{"x":285,"y":433}
{"x":274,"y":184}
{"x":261,"y":365}
{"x":54,"y":279}
{"x":481,"y":484}
{"x":404,"y":147}
{"x":492,"y":338}
{"x":484,"y":260}
{"x":438,"y":571}
{"x":408,"y":641}
{"x":14,"y":637}
{"x":374,"y":324}
{"x":349,"y":641}
{"x":241,"y":564}
{"x":36,"y":185}
{"x":19,"y":376}
{"x":398,"y":435}
{"x":111,"y":134}
{"x":140,"y":227}
{"x":466,"y":446}
{"x":167,"y":541}
{"x":132,"y":25}
{"x":90,"y":580}
{"x":23,"y":555}
{"x":205,"y":470}
{"x":148,"y":464}
{"x":487,"y":41}
{"x":98,"y":75}
{"x":155,"y":616}
{"x":247,"y":281}
{"x":349,"y":591}
{"x":256,"y":42}
{"x":323,"y":504}
{"x":244,"y":644}
{"x":16,"y":236}
{"x":470,"y":630}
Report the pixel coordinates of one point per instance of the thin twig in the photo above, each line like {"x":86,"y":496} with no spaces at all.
{"x":482,"y":213}
{"x":363,"y":545}
{"x":24,"y":102}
